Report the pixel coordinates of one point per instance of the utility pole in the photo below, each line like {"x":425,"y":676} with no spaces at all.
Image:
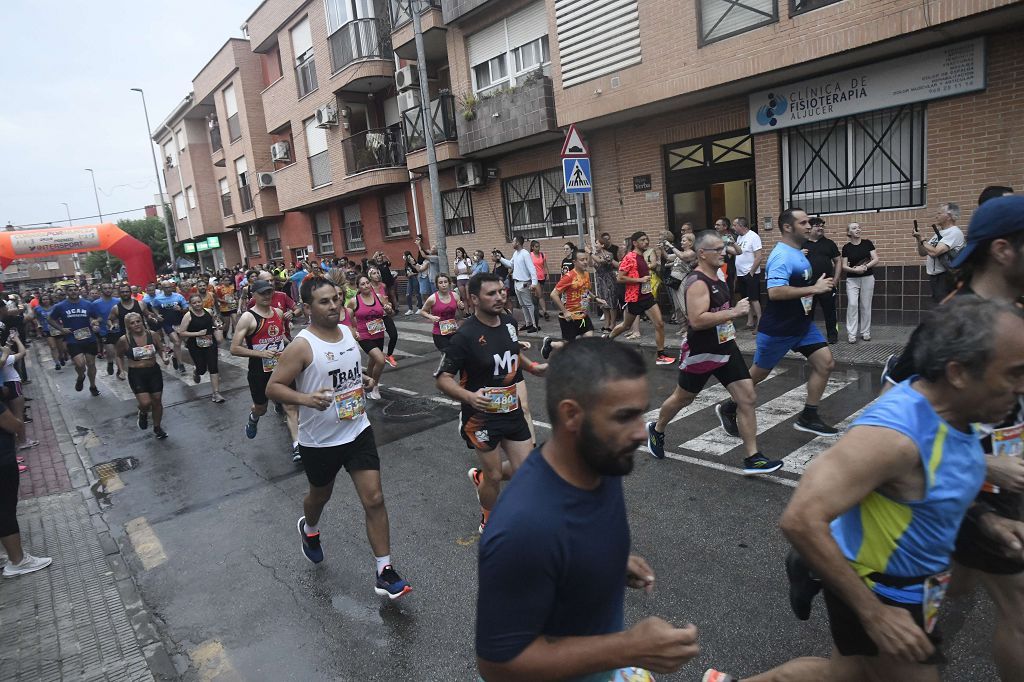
{"x":159,"y":186}
{"x":426,"y":115}
{"x":74,"y":256}
{"x":95,"y":193}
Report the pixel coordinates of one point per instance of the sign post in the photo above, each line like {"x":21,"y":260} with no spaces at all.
{"x":576,"y":175}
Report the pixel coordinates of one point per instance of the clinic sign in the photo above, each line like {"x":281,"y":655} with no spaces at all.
{"x":942,"y":72}
{"x":48,"y":241}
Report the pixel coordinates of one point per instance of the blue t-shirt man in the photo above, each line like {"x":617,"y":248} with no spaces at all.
{"x":170,"y":306}
{"x":552,"y":562}
{"x":103,"y":307}
{"x":76,"y":317}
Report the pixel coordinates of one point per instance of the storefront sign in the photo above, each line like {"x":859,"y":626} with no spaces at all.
{"x":641,"y":183}
{"x":942,"y":72}
{"x":188,"y":247}
{"x":213,"y":242}
{"x":202,"y":246}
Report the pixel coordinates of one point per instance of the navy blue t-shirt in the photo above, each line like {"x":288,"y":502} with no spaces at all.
{"x":75,"y":317}
{"x":552,"y":562}
{"x":787,"y":267}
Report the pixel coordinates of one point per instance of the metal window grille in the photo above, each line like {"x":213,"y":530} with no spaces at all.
{"x":320,"y":169}
{"x":863,"y":162}
{"x":353,"y":228}
{"x":801,"y":6}
{"x":537,"y":206}
{"x":324,"y":238}
{"x":458,"y":212}
{"x":719,"y":19}
{"x":254,"y":245}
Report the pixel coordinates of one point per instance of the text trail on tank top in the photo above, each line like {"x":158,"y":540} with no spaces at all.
{"x":336,"y":368}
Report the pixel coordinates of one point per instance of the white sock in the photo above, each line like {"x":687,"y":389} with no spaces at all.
{"x":295,"y":444}
{"x":382,"y":561}
{"x":310,"y":530}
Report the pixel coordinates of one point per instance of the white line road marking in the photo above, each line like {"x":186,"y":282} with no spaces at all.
{"x":798,"y":460}
{"x":774,"y":412}
{"x":403,"y":391}
{"x":706,"y":398}
{"x":418,"y":338}
{"x":446,"y":401}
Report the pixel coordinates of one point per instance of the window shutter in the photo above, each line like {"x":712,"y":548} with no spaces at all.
{"x":596,"y":37}
{"x":486,"y":43}
{"x":527,"y":24}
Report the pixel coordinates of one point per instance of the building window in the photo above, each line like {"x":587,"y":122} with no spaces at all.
{"x":179,"y":136}
{"x":532,"y":55}
{"x":720,"y":19}
{"x":270,"y":65}
{"x":353,"y":228}
{"x":536,"y":206}
{"x":169,"y":155}
{"x":244,"y":191}
{"x":458,"y":212}
{"x":179,"y":206}
{"x":396,"y":216}
{"x":322,"y":227}
{"x":231,"y":109}
{"x":225,"y":197}
{"x":254,"y":244}
{"x":509,"y":48}
{"x":316,"y":147}
{"x":305,"y":64}
{"x":863,"y":162}
{"x":801,"y":6}
{"x":274,"y":241}
{"x":491,"y":73}
{"x":190,"y":194}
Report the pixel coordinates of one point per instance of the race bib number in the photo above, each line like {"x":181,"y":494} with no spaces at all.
{"x":1007,"y":442}
{"x":269,"y":364}
{"x":350,"y":404}
{"x":448,"y":327}
{"x":807,"y":302}
{"x":501,"y":399}
{"x":934,"y":591}
{"x":375,"y":326}
{"x":82,"y":334}
{"x":147,"y":352}
{"x":204,"y":342}
{"x":645,"y":288}
{"x":631,"y":674}
{"x":726,"y":332}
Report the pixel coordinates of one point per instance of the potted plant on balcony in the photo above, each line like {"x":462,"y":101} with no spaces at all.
{"x":468,"y":104}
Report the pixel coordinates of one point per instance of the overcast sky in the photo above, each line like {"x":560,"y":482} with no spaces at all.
{"x":66,"y":74}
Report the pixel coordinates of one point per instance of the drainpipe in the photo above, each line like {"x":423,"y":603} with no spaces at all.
{"x":412,"y":176}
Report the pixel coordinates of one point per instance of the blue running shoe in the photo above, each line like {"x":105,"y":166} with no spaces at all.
{"x":310,"y":543}
{"x":655,"y":442}
{"x":250,"y":427}
{"x":390,"y":584}
{"x":759,"y":464}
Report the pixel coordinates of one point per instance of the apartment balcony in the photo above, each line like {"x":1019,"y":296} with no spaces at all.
{"x":508,"y":119}
{"x":374,"y":158}
{"x":245,"y":198}
{"x":457,"y":10}
{"x":444,"y":130}
{"x":362,"y":59}
{"x":225,"y":205}
{"x":434,"y":30}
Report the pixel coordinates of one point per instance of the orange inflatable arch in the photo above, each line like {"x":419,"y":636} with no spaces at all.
{"x":137,"y":257}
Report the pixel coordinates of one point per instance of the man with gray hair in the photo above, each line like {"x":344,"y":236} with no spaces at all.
{"x":876,"y":516}
{"x":938,"y":251}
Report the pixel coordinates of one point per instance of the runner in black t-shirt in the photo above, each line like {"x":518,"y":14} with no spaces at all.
{"x":486,"y":354}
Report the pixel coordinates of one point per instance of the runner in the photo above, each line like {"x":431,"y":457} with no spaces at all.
{"x":369,"y":315}
{"x":381,"y":289}
{"x":636,"y":275}
{"x":54,"y":339}
{"x":227,"y":304}
{"x":710,"y":349}
{"x":573,"y":318}
{"x":170,"y":306}
{"x":140,"y":348}
{"x":485,"y":353}
{"x":442,"y":308}
{"x":198,"y":328}
{"x":787,"y":325}
{"x":76,"y":319}
{"x":13,"y":393}
{"x":334,"y":432}
{"x":108,"y":333}
{"x":259,"y":336}
{"x":555,"y":559}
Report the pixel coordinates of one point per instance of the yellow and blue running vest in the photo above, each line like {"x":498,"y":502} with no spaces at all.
{"x":913,"y":538}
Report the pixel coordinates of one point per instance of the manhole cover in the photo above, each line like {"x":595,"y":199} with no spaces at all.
{"x":115,"y":466}
{"x":407,"y":408}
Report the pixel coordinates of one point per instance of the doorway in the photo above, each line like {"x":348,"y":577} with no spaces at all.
{"x":710,"y":178}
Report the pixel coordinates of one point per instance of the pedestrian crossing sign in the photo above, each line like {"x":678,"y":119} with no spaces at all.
{"x":576,"y":175}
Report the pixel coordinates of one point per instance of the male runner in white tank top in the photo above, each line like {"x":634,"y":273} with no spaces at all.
{"x":324,"y":364}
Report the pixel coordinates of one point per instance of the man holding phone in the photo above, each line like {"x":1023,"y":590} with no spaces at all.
{"x":940,"y":249}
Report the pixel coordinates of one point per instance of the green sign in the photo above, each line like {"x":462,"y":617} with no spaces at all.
{"x":213,"y":242}
{"x":189,"y":247}
{"x":202,"y":246}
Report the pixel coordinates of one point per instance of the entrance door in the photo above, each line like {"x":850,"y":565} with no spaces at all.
{"x":710,"y":178}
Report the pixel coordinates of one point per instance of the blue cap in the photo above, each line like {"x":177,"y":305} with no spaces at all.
{"x":997,"y":217}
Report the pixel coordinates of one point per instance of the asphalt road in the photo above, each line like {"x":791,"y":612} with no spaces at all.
{"x":207,"y":521}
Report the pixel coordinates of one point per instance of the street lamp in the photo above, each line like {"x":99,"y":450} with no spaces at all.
{"x":74,"y":256}
{"x":159,"y":185}
{"x":95,"y":193}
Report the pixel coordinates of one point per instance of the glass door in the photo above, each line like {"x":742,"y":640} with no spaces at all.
{"x":710,"y":178}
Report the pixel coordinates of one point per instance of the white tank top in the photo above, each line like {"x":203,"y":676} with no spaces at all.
{"x":338,"y":368}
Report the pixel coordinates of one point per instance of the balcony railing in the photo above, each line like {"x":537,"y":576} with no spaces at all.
{"x":442,"y":114}
{"x":305,"y":76}
{"x":401,"y":11}
{"x":320,"y":169}
{"x":225,"y":204}
{"x":376,"y":148}
{"x":215,"y":143}
{"x":234,"y":127}
{"x":245,"y":198}
{"x":361,"y":39}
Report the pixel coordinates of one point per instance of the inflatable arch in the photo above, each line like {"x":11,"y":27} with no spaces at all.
{"x":137,"y":257}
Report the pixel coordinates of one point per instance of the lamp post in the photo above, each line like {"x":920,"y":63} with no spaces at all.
{"x":159,"y":186}
{"x":74,"y":256}
{"x":95,"y":193}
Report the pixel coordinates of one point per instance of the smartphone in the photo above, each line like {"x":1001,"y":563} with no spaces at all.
{"x":917,"y":230}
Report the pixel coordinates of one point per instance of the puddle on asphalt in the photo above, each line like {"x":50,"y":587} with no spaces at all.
{"x":356,"y":610}
{"x":108,"y":480}
{"x":410,"y":408}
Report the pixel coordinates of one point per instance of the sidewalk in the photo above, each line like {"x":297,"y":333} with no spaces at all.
{"x":80,"y":618}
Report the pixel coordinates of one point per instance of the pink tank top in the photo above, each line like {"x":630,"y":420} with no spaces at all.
{"x":369,"y":319}
{"x":447,"y":312}
{"x":538,"y":263}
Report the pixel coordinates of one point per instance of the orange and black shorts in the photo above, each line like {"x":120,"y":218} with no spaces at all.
{"x":484,"y":432}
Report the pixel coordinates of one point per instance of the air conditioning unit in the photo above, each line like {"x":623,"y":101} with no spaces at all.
{"x":410,"y":99}
{"x":468,"y":175}
{"x":279,"y":151}
{"x":264,"y":180}
{"x":326,"y":116}
{"x":407,"y":77}
{"x":252,"y":230}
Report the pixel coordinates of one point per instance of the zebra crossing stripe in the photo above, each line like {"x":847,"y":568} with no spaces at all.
{"x":706,"y":398}
{"x":798,"y":460}
{"x":774,"y":412}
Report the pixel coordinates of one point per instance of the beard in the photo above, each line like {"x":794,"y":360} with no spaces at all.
{"x":601,"y":458}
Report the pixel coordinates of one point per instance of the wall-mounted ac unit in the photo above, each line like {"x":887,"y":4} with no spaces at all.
{"x":410,"y":99}
{"x":326,"y":116}
{"x":407,"y":77}
{"x":264,"y":180}
{"x":468,"y":175}
{"x":252,"y":230}
{"x":280,"y":151}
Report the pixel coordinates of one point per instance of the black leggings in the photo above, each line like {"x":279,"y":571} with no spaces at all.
{"x":205,"y":359}
{"x":392,"y":330}
{"x":9,"y":497}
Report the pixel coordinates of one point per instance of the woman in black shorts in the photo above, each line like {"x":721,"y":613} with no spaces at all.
{"x":198,"y":329}
{"x":140,"y":349}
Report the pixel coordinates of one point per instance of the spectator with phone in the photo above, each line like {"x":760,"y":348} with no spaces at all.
{"x":939,"y":251}
{"x":859,"y":261}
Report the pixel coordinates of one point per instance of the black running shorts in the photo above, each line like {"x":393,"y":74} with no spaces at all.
{"x":850,"y":637}
{"x":258,"y":386}
{"x":88,"y":348}
{"x":146,"y":379}
{"x":370,"y":344}
{"x":640,"y":307}
{"x":734,"y":370}
{"x":111,"y":338}
{"x":574,"y":329}
{"x":323,"y":464}
{"x":485,"y":432}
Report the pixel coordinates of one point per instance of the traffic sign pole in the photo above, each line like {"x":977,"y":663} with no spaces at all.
{"x":576,"y":175}
{"x":579,"y":220}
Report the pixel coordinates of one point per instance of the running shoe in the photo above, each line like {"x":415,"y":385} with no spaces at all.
{"x":110,"y":368}
{"x":20,"y":460}
{"x":63,"y":361}
{"x":814,"y":425}
{"x":374,"y":394}
{"x":119,"y":374}
{"x":181,"y":369}
{"x":310,"y":543}
{"x":545,"y":347}
{"x":159,"y":433}
{"x":391,"y":360}
{"x":476,"y":477}
{"x":57,"y":366}
{"x":195,"y":377}
{"x":174,"y":361}
{"x":22,"y":468}
{"x":483,"y":524}
{"x":79,"y":383}
{"x":28,"y":444}
{"x":759,"y":464}
{"x":28,"y":564}
{"x":655,"y":442}
{"x":802,"y":585}
{"x":390,"y":584}
{"x":408,"y":312}
{"x":727,"y":418}
{"x":279,"y":408}
{"x":250,"y":427}
{"x":94,"y":391}
{"x":296,"y":455}
{"x":143,"y":420}
{"x":712,"y":675}
{"x":664,"y":360}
